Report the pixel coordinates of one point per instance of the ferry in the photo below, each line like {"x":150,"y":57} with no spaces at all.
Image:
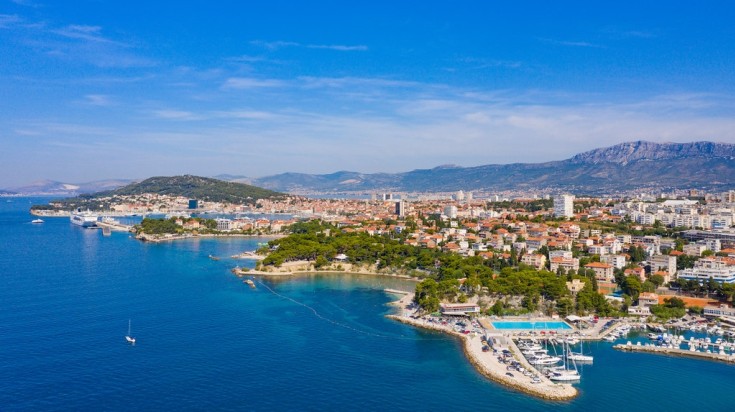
{"x":83,"y":219}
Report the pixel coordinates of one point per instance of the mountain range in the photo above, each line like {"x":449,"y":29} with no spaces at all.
{"x":626,"y":166}
{"x":622,"y":167}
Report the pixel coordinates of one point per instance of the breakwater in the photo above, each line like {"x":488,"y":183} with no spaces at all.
{"x":661,"y":350}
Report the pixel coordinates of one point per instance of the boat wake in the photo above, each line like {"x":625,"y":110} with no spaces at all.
{"x":342,"y":325}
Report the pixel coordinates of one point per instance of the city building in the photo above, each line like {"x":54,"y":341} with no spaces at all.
{"x":721,"y":270}
{"x":401,"y":208}
{"x":564,"y":206}
{"x":603,"y":271}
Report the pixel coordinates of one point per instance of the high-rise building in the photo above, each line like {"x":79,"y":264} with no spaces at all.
{"x":401,"y":208}
{"x":564,"y":206}
{"x":450,"y":211}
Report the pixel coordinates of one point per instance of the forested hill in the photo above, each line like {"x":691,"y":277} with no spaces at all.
{"x":196,"y":187}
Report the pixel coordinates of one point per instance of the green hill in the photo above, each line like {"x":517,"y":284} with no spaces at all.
{"x":194,"y":187}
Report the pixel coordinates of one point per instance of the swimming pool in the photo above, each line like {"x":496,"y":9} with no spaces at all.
{"x":531,"y":325}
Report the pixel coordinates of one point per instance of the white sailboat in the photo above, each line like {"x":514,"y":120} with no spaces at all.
{"x":129,"y":338}
{"x":580,"y":357}
{"x":565,"y":374}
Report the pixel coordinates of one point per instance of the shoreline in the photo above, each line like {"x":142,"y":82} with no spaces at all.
{"x":157,"y":239}
{"x":312,"y":271}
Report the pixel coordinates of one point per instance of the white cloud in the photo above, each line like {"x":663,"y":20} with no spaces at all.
{"x":337,"y":47}
{"x":87,"y":33}
{"x":571,"y":43}
{"x":275,"y":45}
{"x":97,"y":100}
{"x":9,"y":20}
{"x":171,"y":114}
{"x":250,"y":83}
{"x":343,"y":82}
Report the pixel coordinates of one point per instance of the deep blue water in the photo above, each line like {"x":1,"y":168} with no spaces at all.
{"x":206,"y":341}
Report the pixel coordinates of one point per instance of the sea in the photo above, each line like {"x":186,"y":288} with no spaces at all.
{"x":206,"y":341}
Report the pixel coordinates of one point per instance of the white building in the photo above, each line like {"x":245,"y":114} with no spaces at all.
{"x":664,"y":263}
{"x":617,"y":261}
{"x":704,"y":269}
{"x":564,"y":254}
{"x":450,"y":211}
{"x":224,"y":224}
{"x":564,"y":206}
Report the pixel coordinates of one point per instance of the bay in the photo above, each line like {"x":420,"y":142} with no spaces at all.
{"x":207,"y":341}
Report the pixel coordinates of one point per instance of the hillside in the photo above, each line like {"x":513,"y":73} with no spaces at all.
{"x":626,"y":166}
{"x":195,"y":187}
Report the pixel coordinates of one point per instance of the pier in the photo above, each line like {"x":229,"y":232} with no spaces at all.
{"x":114,"y":226}
{"x":661,"y":350}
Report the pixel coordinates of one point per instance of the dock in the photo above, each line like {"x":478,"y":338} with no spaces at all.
{"x":114,"y":226}
{"x":676,"y":352}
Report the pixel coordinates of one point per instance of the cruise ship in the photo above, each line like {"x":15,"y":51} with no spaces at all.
{"x":83,"y":219}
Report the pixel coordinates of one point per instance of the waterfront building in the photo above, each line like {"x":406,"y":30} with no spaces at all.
{"x":564,"y":206}
{"x":224,"y":224}
{"x":462,"y":309}
{"x":719,"y":311}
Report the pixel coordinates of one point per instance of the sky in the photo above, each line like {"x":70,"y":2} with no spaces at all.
{"x":93,"y":90}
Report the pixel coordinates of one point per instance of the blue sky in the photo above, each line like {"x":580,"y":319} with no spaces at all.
{"x":129,"y":89}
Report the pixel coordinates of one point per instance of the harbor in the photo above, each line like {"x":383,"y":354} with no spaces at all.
{"x":517,"y":352}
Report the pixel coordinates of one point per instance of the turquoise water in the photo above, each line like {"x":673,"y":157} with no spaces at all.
{"x":530,"y":325}
{"x":206,"y":341}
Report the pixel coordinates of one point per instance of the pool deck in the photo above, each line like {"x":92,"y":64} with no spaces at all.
{"x":532,"y":325}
